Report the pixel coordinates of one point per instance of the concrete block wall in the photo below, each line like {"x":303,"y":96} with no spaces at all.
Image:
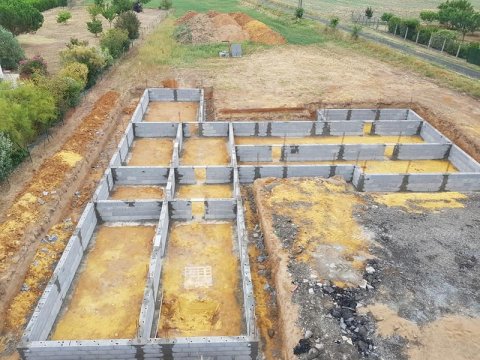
{"x":213,"y":129}
{"x":171,"y":185}
{"x":139,"y":175}
{"x":123,"y":149}
{"x":185,"y":175}
{"x":253,"y":152}
{"x":412,"y":115}
{"x":155,"y":129}
{"x":136,"y":210}
{"x":421,"y":151}
{"x":220,"y":209}
{"x":432,"y":135}
{"x":190,"y":129}
{"x":201,"y":114}
{"x":329,"y":152}
{"x":462,"y":161}
{"x":405,"y":128}
{"x":180,"y":209}
{"x":165,"y":94}
{"x":463,"y":182}
{"x":104,"y":186}
{"x":340,"y":128}
{"x":179,"y":139}
{"x":362,"y":114}
{"x":219,"y":175}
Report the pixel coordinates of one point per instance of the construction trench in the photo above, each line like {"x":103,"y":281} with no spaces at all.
{"x":158,"y":267}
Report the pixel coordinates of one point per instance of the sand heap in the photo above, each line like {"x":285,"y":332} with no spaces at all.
{"x":214,"y":27}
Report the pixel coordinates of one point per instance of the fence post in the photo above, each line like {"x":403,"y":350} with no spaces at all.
{"x":444,"y":42}
{"x":430,"y":40}
{"x":406,"y":33}
{"x":395,"y":32}
{"x":458,"y":51}
{"x":416,"y":40}
{"x":376,"y":28}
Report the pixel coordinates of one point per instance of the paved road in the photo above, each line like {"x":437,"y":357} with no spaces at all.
{"x":439,"y":60}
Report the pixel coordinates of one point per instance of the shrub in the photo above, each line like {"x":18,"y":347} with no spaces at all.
{"x":65,"y":90}
{"x":63,"y":17}
{"x":91,"y":57}
{"x":116,"y":41}
{"x":387,"y":16}
{"x":299,"y":13}
{"x":356,"y":30}
{"x":42,"y":5}
{"x":109,"y":14}
{"x":394,"y":23}
{"x":121,"y":6}
{"x":76,"y":71}
{"x":183,"y":34}
{"x":428,"y":16}
{"x":137,"y":7}
{"x":6,"y":155}
{"x":10,"y":50}
{"x":167,"y":4}
{"x":35,"y":65}
{"x":75,"y":42}
{"x":19,"y":17}
{"x":411,"y":25}
{"x":369,"y":12}
{"x":95,"y":27}
{"x":129,"y":21}
{"x":334,"y":23}
{"x":439,"y":37}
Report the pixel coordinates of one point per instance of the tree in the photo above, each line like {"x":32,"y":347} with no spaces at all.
{"x":459,"y":15}
{"x":116,"y":41}
{"x":429,"y":16}
{"x":95,"y":27}
{"x":356,"y":30}
{"x":299,"y":13}
{"x":6,"y":154}
{"x":19,"y":17}
{"x":121,"y":6}
{"x":109,"y":14}
{"x":334,"y":23}
{"x":90,"y":56}
{"x":387,"y":16}
{"x":63,"y":17}
{"x":10,"y":50}
{"x":165,"y":4}
{"x":369,"y":12}
{"x":76,"y":71}
{"x":129,"y":21}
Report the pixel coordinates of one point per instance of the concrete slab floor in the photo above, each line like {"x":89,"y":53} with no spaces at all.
{"x":160,"y":111}
{"x":205,"y":151}
{"x":191,"y":307}
{"x":124,"y":192}
{"x":106,"y":299}
{"x":150,"y":152}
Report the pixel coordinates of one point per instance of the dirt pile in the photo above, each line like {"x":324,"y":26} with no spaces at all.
{"x":215,"y":27}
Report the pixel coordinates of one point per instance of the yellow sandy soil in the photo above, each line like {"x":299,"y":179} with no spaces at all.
{"x":378,"y":166}
{"x":69,"y":157}
{"x":107,"y":297}
{"x":205,"y":151}
{"x":322,"y":210}
{"x":368,"y":139}
{"x":201,"y":311}
{"x":171,"y":111}
{"x":206,"y":191}
{"x":151,"y":152}
{"x":419,"y":202}
{"x":137,"y":192}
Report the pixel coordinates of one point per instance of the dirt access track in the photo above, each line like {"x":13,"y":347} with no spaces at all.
{"x":280,"y":77}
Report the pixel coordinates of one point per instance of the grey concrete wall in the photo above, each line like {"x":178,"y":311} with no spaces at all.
{"x":123,"y":149}
{"x":362,"y":114}
{"x":462,"y":161}
{"x":218,"y":175}
{"x":213,"y":129}
{"x":153,"y":129}
{"x":140,"y":175}
{"x":405,"y":128}
{"x":231,"y":146}
{"x":340,"y":128}
{"x":104,"y":186}
{"x":234,"y":348}
{"x":329,"y":152}
{"x":412,"y":115}
{"x":421,"y":151}
{"x":175,"y":155}
{"x":129,"y":134}
{"x":254,"y":152}
{"x":51,"y":301}
{"x":119,"y":210}
{"x":185,"y":175}
{"x":190,"y":129}
{"x":220,"y":209}
{"x":432,"y":135}
{"x":179,"y":138}
{"x":201,"y":114}
{"x":380,"y":182}
{"x":463,"y":182}
{"x":249,"y":173}
{"x":115,"y":161}
{"x":171,"y":185}
{"x":423,"y":182}
{"x":137,"y":115}
{"x":164,"y":94}
{"x":362,"y":152}
{"x":180,"y":209}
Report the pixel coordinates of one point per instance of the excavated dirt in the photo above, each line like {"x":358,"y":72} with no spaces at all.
{"x":204,"y":151}
{"x":160,"y":111}
{"x":206,"y":191}
{"x":200,"y":282}
{"x":150,"y":152}
{"x":109,"y":289}
{"x":215,"y":27}
{"x":137,"y":192}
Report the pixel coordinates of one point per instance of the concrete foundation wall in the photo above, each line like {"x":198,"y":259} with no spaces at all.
{"x":254,"y":152}
{"x":432,"y":135}
{"x":220,"y":209}
{"x":104,"y":186}
{"x":412,"y":115}
{"x":218,"y":175}
{"x":153,"y":129}
{"x":164,"y":94}
{"x":213,"y":129}
{"x":329,"y":152}
{"x":185,"y":175}
{"x":383,"y":182}
{"x":405,"y":128}
{"x":362,"y":114}
{"x":340,"y":128}
{"x":115,"y":161}
{"x":249,"y":173}
{"x":421,"y":151}
{"x":180,"y":209}
{"x":463,"y":182}
{"x":462,"y":161}
{"x":140,"y":175}
{"x":129,"y":134}
{"x":234,"y":348}
{"x":171,"y":185}
{"x":138,"y":210}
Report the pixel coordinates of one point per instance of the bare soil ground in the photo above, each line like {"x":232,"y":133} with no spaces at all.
{"x":52,"y":37}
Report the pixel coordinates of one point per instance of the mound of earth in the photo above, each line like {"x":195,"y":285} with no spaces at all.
{"x":214,"y":27}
